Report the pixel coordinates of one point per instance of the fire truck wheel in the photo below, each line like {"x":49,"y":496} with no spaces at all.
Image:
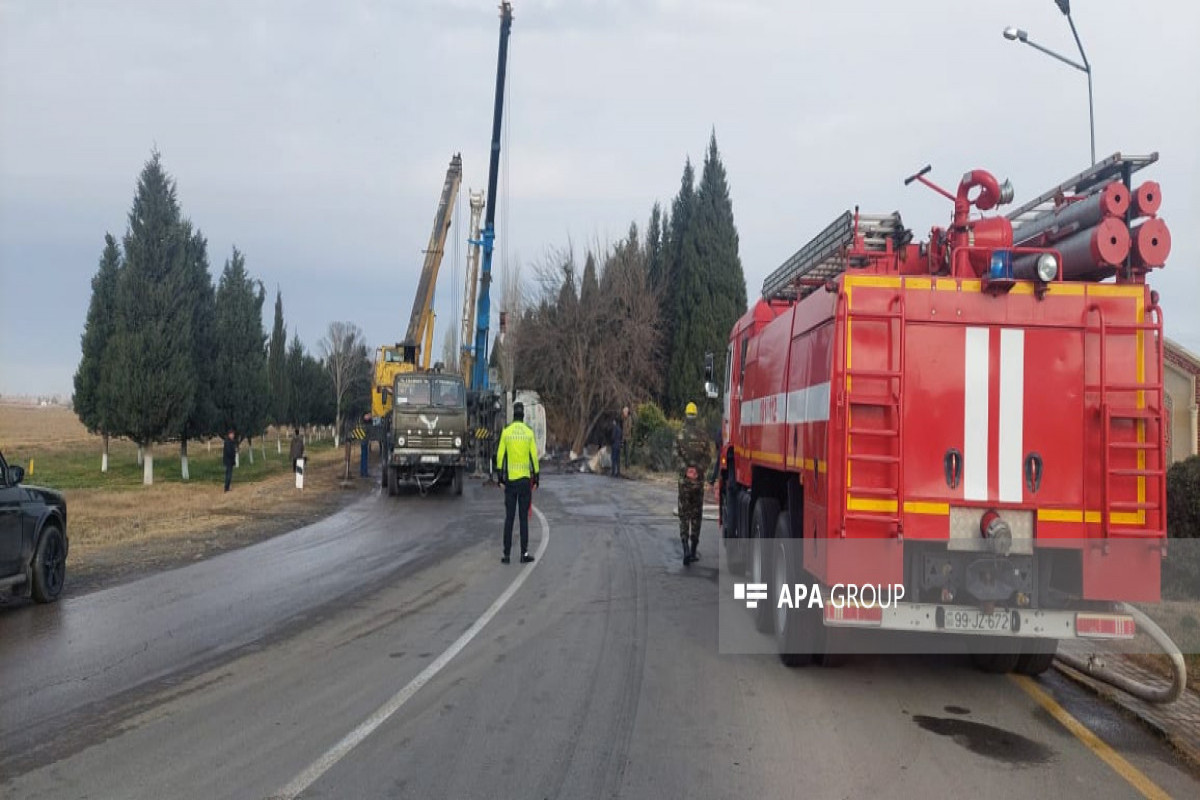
{"x":458,"y":481}
{"x":393,"y":479}
{"x":996,"y":656}
{"x":1037,"y":655}
{"x":762,"y":529}
{"x":794,"y":628}
{"x":735,"y":543}
{"x":831,"y":646}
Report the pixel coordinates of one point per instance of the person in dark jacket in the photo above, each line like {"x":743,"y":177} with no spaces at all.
{"x":617,"y":436}
{"x":229,"y":456}
{"x":297,"y":449}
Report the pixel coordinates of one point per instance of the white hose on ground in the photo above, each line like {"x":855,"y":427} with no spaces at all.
{"x":1158,"y":695}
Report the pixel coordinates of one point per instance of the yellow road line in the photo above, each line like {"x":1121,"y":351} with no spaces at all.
{"x":1132,"y":775}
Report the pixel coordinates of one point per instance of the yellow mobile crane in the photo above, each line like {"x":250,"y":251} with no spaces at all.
{"x":414,"y":352}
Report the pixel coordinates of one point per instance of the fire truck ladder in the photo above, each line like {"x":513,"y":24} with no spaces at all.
{"x":889,"y":402}
{"x":826,"y":256}
{"x":1151,"y":451}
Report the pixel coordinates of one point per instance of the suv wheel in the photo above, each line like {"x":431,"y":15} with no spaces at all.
{"x":50,"y":565}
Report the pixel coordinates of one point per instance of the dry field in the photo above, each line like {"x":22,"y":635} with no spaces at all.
{"x":120,"y":529}
{"x":24,"y":427}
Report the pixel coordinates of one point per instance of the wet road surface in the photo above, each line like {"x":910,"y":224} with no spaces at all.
{"x":599,"y":676}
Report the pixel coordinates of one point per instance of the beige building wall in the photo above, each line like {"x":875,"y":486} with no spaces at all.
{"x":1181,"y":394}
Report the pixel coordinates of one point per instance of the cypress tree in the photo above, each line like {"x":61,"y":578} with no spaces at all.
{"x":678,"y":266}
{"x":91,"y":404}
{"x":241,"y":387}
{"x":150,"y":375}
{"x":718,"y":251}
{"x":297,"y":412}
{"x":654,"y":254}
{"x":589,"y":291}
{"x":201,"y":417}
{"x":277,"y":365}
{"x":710,"y":284}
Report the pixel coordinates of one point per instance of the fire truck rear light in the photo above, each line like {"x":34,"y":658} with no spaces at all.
{"x":854,"y":614}
{"x":1105,"y":626}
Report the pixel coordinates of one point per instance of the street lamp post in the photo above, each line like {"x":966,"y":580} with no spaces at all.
{"x":1018,"y":35}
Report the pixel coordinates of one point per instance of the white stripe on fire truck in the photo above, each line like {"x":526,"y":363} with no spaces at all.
{"x":810,"y":404}
{"x":975,"y":415}
{"x":1012,"y":412}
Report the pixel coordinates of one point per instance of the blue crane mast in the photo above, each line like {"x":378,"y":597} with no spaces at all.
{"x":479,"y":380}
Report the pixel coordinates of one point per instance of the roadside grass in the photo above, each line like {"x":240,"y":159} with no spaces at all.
{"x":78,"y":466}
{"x":63,"y":455}
{"x":119,"y":527}
{"x":102,"y":517}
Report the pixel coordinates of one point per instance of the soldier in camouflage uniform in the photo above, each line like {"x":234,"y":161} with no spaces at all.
{"x":692,"y":450}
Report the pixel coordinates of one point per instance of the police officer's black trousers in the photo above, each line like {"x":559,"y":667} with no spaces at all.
{"x":517,"y":496}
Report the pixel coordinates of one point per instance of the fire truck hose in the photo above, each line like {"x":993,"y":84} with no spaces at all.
{"x":1147,"y":199}
{"x":1157,"y":695}
{"x":1106,"y":245}
{"x":1151,"y":243}
{"x":1111,"y":201}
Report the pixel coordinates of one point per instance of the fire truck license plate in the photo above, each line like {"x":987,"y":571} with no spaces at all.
{"x":429,"y":459}
{"x":966,"y":619}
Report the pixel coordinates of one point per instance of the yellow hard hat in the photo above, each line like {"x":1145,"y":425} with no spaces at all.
{"x":691,"y":410}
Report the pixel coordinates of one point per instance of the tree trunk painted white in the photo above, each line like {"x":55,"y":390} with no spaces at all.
{"x":183,"y":461}
{"x":141,"y":455}
{"x":250,"y":449}
{"x":262,"y":447}
{"x":278,"y":445}
{"x":148,"y":467}
{"x":104,"y":455}
{"x":237,"y":458}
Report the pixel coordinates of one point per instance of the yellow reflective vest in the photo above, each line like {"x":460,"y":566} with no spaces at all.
{"x":518,"y":449}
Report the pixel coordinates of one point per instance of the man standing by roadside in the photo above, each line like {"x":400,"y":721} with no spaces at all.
{"x":617,"y":435}
{"x":627,"y":434}
{"x":229,"y":456}
{"x":517,"y":463}
{"x":297,"y":449}
{"x":692,"y":449}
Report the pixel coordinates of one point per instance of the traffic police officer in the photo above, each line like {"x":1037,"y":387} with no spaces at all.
{"x":692,"y":450}
{"x":517,"y":462}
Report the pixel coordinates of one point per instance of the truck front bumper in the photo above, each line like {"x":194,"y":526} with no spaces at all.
{"x":431,"y":460}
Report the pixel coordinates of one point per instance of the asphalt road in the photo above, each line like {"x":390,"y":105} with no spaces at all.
{"x":385,"y":652}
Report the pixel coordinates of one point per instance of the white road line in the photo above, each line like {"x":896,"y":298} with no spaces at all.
{"x":336,"y":753}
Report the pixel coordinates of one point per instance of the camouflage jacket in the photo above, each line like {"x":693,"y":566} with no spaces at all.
{"x":693,"y":454}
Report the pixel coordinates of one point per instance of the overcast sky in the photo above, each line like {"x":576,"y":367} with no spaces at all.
{"x":315,"y":135}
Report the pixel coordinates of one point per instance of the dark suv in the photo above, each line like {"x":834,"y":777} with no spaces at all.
{"x":33,"y":537}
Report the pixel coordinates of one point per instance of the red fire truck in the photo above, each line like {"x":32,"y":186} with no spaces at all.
{"x":977,"y":417}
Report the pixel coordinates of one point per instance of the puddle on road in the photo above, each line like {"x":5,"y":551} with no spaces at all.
{"x":956,"y":710}
{"x":986,"y":740}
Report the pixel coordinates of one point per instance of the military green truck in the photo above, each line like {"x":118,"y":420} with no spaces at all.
{"x":428,"y":432}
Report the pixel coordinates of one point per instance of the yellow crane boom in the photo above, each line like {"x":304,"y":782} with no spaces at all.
{"x":414,"y":352}
{"x":420,"y":323}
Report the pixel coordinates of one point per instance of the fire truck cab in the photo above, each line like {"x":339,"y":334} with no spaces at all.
{"x":976,"y":418}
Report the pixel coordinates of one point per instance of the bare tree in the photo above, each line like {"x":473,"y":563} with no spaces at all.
{"x":590,"y":352}
{"x":341,"y":350}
